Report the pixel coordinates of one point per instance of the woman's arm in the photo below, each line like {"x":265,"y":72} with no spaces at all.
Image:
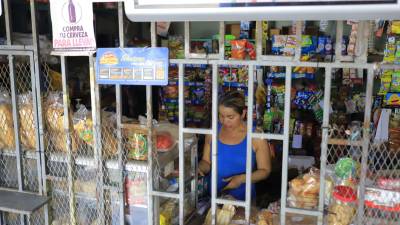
{"x":263,"y":160}
{"x":205,"y":162}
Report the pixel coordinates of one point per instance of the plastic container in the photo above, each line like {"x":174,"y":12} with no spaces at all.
{"x":343,"y":206}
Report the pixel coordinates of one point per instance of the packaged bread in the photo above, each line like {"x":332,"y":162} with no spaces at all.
{"x":54,"y":120}
{"x":264,"y":217}
{"x":224,"y":215}
{"x":304,"y":190}
{"x":7,"y":140}
{"x":27,"y":129}
{"x":83,"y":126}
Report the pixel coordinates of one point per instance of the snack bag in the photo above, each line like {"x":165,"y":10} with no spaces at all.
{"x":54,"y":120}
{"x":136,"y":141}
{"x":395,"y":86}
{"x":390,"y":50}
{"x":238,"y":49}
{"x":6,"y":120}
{"x":83,"y":125}
{"x":27,"y":125}
{"x":386,"y":81}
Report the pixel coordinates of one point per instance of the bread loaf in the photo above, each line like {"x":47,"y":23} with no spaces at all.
{"x":7,"y":140}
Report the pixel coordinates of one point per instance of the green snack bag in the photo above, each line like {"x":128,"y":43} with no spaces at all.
{"x":386,"y":80}
{"x":395,"y":86}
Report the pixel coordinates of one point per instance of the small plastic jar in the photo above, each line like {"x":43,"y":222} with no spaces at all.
{"x":343,"y":206}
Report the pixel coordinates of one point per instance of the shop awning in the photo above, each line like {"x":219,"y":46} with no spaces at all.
{"x":235,"y":10}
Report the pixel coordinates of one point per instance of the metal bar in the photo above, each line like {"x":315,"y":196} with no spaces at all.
{"x":324,"y":145}
{"x":121,"y":188}
{"x":297,"y":55}
{"x":288,"y":87}
{"x":303,"y":211}
{"x":36,"y":94}
{"x":339,"y":39}
{"x":16,"y":52}
{"x":165,"y":194}
{"x":259,"y":39}
{"x":41,"y":160}
{"x":97,"y":147}
{"x":365,"y":147}
{"x":196,"y":131}
{"x":14,"y":97}
{"x":150,"y":153}
{"x":214,"y":154}
{"x":276,"y":58}
{"x":17,"y":47}
{"x":70,"y":163}
{"x":154,"y":202}
{"x":221,"y":40}
{"x":266,"y":136}
{"x":230,"y":202}
{"x":15,"y":111}
{"x":249,"y":147}
{"x":181,"y":141}
{"x":274,"y":63}
{"x":362,"y":42}
{"x":337,"y":141}
{"x":7,"y":17}
{"x":187,"y":39}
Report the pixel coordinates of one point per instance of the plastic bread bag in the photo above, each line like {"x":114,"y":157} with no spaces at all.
{"x":7,"y":140}
{"x":54,"y":119}
{"x":304,"y":190}
{"x":27,"y":124}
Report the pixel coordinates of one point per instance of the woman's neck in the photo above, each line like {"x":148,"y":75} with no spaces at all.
{"x":235,"y":130}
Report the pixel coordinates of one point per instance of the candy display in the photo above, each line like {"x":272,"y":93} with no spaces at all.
{"x":197,"y":96}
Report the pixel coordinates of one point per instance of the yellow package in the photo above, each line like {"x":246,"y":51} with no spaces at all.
{"x":395,"y":27}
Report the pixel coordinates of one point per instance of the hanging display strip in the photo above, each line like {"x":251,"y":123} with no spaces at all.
{"x":132,"y":66}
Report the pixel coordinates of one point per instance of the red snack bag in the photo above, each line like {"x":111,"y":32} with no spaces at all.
{"x":251,"y":50}
{"x":238,"y":49}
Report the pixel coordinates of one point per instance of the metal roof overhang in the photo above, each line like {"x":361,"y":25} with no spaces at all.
{"x":198,"y":10}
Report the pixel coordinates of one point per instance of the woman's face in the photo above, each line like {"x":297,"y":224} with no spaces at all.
{"x":229,"y":118}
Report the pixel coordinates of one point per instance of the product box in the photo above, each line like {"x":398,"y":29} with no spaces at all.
{"x":275,"y":32}
{"x":383,"y":199}
{"x":233,"y":29}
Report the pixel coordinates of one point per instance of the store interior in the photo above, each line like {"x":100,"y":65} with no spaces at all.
{"x":318,"y":45}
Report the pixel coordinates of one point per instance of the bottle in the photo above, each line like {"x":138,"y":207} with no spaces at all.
{"x":71,"y":12}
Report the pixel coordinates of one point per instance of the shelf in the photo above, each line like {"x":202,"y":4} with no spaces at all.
{"x":310,"y":76}
{"x":234,"y":84}
{"x":188,"y":83}
{"x":27,"y":154}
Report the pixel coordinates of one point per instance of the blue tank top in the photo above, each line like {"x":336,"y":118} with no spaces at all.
{"x":231,"y":160}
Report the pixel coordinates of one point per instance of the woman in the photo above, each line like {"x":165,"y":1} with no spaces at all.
{"x":232,"y":143}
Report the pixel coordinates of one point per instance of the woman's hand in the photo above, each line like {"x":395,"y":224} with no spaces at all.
{"x":234,"y":181}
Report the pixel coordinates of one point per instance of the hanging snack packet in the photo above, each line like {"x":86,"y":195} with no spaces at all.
{"x":395,"y":28}
{"x":238,"y":49}
{"x":321,"y":45}
{"x":278,"y":43}
{"x":251,"y":51}
{"x":395,"y":86}
{"x":386,"y":80}
{"x":390,"y":50}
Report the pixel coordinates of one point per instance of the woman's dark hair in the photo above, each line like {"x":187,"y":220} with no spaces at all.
{"x":234,"y":100}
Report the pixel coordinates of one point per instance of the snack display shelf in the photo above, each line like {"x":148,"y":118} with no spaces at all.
{"x":188,"y":83}
{"x":294,"y":75}
{"x":234,"y":84}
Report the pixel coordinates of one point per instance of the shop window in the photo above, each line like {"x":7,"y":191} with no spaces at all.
{"x":172,"y":36}
{"x":278,"y":38}
{"x":204,"y":37}
{"x":240,"y":40}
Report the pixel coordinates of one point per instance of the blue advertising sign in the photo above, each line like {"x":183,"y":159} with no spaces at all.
{"x":132,"y":66}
